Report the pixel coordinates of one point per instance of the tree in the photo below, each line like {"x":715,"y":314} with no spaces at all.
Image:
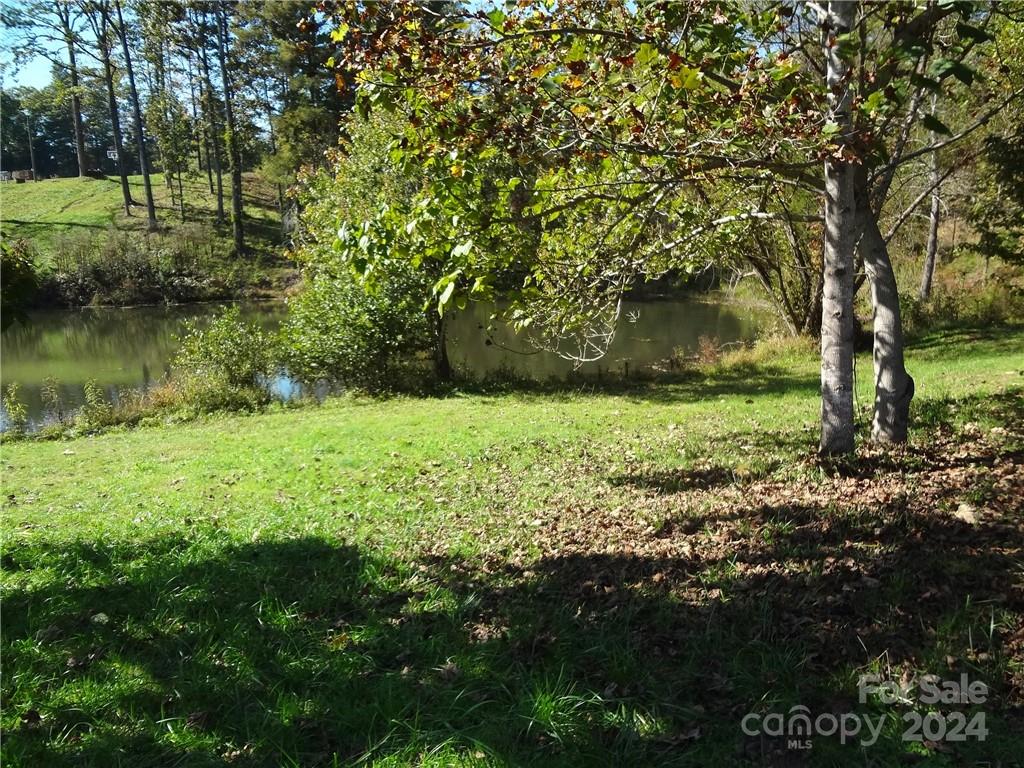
{"x":66,"y":18}
{"x":17,"y":132}
{"x":620,"y":116}
{"x":283,"y":49}
{"x":231,"y":129}
{"x":98,"y":15}
{"x":140,"y":134}
{"x":39,"y":27}
{"x":200,"y":32}
{"x":170,"y":123}
{"x":41,"y":113}
{"x":931,"y":250}
{"x":837,"y":427}
{"x":343,"y":327}
{"x":997,"y":208}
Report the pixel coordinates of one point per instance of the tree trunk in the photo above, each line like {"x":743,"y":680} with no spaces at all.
{"x":933,"y":231}
{"x":64,"y":13}
{"x":115,"y":118}
{"x":894,"y":387}
{"x":232,"y":140}
{"x":195,"y":117}
{"x":273,"y":150}
{"x":211,"y":120}
{"x":837,"y":424}
{"x":140,"y":135}
{"x":31,"y":148}
{"x":181,"y":197}
{"x":442,"y":366}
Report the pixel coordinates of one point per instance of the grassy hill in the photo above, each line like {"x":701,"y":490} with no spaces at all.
{"x":49,"y":212}
{"x":87,"y":250}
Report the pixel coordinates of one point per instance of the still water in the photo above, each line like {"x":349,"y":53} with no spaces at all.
{"x":121,"y":348}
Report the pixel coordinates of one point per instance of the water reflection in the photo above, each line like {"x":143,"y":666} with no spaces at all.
{"x":118,"y":348}
{"x":132,"y":348}
{"x":649,"y":332}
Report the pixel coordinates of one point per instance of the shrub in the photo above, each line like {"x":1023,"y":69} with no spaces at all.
{"x":339,"y":332}
{"x":53,"y":401}
{"x":995,"y":303}
{"x":372,"y":334}
{"x":95,"y":412}
{"x":224,"y":366}
{"x":123,"y":268}
{"x":17,"y":413}
{"x":18,"y":281}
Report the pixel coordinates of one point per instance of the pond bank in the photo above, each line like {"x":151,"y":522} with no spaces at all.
{"x":133,"y":347}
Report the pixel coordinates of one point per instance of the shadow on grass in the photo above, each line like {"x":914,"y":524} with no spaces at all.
{"x":196,"y":648}
{"x":741,"y":379}
{"x":33,"y":226}
{"x":1000,"y":337}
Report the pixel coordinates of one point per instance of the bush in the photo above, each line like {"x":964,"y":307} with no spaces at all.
{"x":373,"y":334}
{"x":18,"y":281}
{"x":996,"y":303}
{"x":95,"y":412}
{"x":224,"y":366}
{"x":339,"y":332}
{"x":123,"y":268}
{"x":16,"y":412}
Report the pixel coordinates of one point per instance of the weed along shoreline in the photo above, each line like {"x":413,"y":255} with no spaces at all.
{"x":59,"y":354}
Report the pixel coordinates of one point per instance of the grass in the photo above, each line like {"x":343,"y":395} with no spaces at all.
{"x":47,"y":211}
{"x":564,"y":578}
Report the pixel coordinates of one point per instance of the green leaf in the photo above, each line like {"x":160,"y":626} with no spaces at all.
{"x":577,"y":52}
{"x":497,"y":18}
{"x":445,"y":296}
{"x":975,"y":33}
{"x":933,"y":124}
{"x":786,"y":68}
{"x":646,"y":54}
{"x":943,"y":68}
{"x":686,"y":78}
{"x":830,"y":129}
{"x":462,"y":249}
{"x":874,"y":102}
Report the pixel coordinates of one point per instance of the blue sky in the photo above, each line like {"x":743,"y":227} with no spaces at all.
{"x":35,"y":72}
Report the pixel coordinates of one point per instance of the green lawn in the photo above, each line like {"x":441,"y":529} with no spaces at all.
{"x":47,"y":212}
{"x":569,"y":578}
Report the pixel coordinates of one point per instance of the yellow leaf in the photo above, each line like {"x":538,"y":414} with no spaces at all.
{"x":686,"y":77}
{"x":580,"y":110}
{"x":540,"y":70}
{"x":457,"y":171}
{"x":574,"y":82}
{"x":338,"y":641}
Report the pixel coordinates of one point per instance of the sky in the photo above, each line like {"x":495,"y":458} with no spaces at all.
{"x":31,"y":71}
{"x":34,"y":73}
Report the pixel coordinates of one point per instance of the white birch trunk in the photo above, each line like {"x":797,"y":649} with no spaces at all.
{"x":837,"y":422}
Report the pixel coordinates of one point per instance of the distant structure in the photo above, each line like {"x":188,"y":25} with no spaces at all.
{"x":20,"y":177}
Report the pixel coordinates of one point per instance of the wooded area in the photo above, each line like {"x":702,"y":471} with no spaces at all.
{"x":215,"y":89}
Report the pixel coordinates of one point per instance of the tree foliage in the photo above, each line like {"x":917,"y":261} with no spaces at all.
{"x":627,"y":139}
{"x":348,"y":327}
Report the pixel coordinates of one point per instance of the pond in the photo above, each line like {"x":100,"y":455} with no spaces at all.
{"x":133,"y":347}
